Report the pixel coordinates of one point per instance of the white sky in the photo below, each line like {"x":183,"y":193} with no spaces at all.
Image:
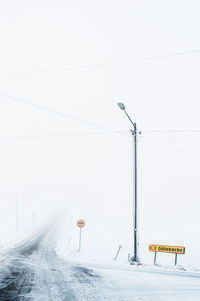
{"x":93,"y":180}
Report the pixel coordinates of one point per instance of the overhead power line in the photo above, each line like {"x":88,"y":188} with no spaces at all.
{"x":60,"y":145}
{"x":177,"y":138}
{"x":61,"y":114}
{"x":172,"y":147}
{"x":172,"y":131}
{"x":106,"y":64}
{"x":59,"y":135}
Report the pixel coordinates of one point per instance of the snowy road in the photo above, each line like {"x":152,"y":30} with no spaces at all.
{"x":46,"y":277}
{"x":32,"y":271}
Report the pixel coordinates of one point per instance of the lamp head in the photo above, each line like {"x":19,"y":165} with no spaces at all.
{"x":121,"y":105}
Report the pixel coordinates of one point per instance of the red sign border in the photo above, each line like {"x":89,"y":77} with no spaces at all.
{"x":80,"y":220}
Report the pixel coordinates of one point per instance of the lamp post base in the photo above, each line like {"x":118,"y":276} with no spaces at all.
{"x":134,"y":261}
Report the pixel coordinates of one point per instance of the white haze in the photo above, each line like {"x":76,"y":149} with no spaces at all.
{"x":90,"y":176}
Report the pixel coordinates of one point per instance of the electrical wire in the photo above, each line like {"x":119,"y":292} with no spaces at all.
{"x":172,"y":147}
{"x":60,"y":145}
{"x":106,"y":64}
{"x":171,"y":131}
{"x":60,"y":135}
{"x":61,"y":114}
{"x":172,"y":134}
{"x":164,"y":137}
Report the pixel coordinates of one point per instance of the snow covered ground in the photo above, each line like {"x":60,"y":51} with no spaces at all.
{"x":149,"y":283}
{"x":132,"y":283}
{"x":31,"y":270}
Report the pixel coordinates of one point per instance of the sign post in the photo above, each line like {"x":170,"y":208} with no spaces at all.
{"x":155,"y":255}
{"x":120,"y":246}
{"x":166,"y":249}
{"x":175,"y":259}
{"x":80,"y":225}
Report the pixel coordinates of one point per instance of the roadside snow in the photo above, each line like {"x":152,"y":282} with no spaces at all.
{"x":148,"y":283}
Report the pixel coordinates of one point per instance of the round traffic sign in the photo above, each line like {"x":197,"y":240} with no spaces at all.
{"x":81,"y":223}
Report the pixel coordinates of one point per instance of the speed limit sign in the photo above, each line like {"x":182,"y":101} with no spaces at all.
{"x":81,"y":223}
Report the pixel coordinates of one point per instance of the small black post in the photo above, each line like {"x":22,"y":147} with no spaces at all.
{"x":155,"y":254}
{"x":175,"y":259}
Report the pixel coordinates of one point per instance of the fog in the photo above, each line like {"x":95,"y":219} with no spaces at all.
{"x":64,"y":143}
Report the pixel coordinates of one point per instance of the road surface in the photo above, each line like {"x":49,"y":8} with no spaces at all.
{"x":31,"y":270}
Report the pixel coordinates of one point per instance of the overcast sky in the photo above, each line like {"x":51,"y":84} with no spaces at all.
{"x":80,"y":58}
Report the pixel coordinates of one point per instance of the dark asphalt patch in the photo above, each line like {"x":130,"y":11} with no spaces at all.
{"x":17,"y":283}
{"x":88,"y":272}
{"x":85,"y":275}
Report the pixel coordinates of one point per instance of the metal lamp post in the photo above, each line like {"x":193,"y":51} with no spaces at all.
{"x":135,"y":258}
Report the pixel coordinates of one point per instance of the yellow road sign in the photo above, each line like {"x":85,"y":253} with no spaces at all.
{"x":167,"y":249}
{"x":81,"y":223}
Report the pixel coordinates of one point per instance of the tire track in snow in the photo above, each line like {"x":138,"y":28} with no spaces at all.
{"x":31,"y":270}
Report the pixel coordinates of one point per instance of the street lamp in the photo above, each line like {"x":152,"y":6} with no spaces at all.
{"x":135,"y":258}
